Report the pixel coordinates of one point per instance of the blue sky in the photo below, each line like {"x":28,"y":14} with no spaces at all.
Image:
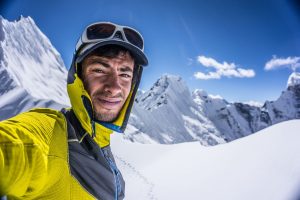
{"x":219,"y":46}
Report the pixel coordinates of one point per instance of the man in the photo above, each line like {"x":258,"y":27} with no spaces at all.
{"x":48,"y":154}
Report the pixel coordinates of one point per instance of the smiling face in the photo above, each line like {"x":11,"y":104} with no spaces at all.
{"x":108,"y":81}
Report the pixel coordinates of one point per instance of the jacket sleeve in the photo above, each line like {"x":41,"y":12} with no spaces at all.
{"x":24,"y":147}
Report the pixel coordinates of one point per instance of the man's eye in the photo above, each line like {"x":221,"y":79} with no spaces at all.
{"x":98,"y":70}
{"x":126,"y":75}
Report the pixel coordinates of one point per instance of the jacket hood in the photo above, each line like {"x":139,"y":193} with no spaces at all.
{"x":83,"y":108}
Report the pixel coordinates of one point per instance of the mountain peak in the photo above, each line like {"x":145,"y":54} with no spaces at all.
{"x":167,"y":87}
{"x":27,"y":19}
{"x":294,"y":79}
{"x":167,"y":79}
{"x":168,"y":82}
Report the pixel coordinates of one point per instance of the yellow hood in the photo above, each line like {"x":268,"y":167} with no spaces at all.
{"x":83,"y":108}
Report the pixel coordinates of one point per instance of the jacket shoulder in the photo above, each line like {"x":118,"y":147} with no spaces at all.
{"x":45,"y":115}
{"x":35,"y":125}
{"x":46,"y":111}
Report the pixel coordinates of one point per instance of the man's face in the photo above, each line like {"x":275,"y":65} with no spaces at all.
{"x":108,"y":82}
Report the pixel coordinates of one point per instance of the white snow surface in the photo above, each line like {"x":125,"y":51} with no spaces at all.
{"x":29,"y":61}
{"x":262,"y":166}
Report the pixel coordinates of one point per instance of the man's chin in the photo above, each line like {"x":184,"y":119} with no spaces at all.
{"x":106,"y":117}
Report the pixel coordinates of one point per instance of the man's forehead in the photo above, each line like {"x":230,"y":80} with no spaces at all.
{"x":119,"y":58}
{"x":126,"y":63}
{"x":111,"y":51}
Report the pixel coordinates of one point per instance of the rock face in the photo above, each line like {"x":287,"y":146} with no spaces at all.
{"x":32,"y":73}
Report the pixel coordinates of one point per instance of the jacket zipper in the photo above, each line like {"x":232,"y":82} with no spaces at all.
{"x":116,"y":173}
{"x":111,"y":164}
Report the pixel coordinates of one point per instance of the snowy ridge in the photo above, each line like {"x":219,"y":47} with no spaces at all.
{"x":166,"y":86}
{"x":236,"y":120}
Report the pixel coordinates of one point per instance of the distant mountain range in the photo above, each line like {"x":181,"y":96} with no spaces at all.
{"x":169,"y":113}
{"x":32,"y":74}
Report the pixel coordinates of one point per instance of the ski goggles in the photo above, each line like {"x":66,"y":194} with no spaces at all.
{"x":104,"y":31}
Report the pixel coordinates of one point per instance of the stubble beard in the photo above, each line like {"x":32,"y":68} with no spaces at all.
{"x":105,"y":115}
{"x":108,"y":116}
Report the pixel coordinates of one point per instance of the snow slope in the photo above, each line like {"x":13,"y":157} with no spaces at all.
{"x":262,"y":166}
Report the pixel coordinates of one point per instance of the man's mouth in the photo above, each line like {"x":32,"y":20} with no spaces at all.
{"x":109,"y":103}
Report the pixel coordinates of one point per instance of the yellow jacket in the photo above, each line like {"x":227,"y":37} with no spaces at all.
{"x":39,"y":159}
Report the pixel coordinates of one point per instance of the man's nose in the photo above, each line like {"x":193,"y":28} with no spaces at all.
{"x":112,"y":84}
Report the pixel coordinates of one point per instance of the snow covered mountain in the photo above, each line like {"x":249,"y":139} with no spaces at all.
{"x":168,"y":113}
{"x":32,"y":73}
{"x":235,"y":120}
{"x":287,"y":106}
{"x":265,"y":165}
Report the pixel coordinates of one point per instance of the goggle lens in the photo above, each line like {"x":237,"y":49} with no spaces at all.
{"x":104,"y":31}
{"x":133,"y":37}
{"x":100,"y":31}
